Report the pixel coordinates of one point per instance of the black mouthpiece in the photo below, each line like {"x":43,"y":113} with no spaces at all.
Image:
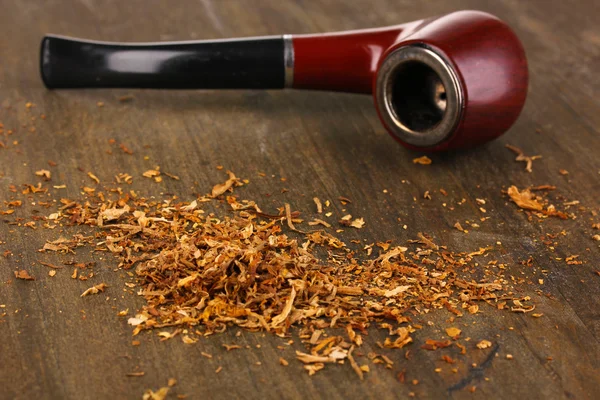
{"x":253,"y":63}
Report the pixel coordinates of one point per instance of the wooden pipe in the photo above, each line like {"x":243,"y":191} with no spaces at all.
{"x":442,"y":83}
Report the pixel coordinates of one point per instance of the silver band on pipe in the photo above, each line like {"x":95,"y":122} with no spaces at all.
{"x":288,"y":60}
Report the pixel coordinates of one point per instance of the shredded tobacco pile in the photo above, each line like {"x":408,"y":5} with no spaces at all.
{"x":260,"y":272}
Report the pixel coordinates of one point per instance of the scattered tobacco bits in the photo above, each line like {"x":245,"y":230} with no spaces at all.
{"x":205,"y":273}
{"x":424,"y":160}
{"x":201,"y":272}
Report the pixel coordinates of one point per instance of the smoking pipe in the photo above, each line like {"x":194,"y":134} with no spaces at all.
{"x":448,"y":82}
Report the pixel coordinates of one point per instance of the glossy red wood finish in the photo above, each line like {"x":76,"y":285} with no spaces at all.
{"x":342,"y":61}
{"x":486,"y":54}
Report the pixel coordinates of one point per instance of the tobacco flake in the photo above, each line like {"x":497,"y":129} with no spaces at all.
{"x":24,"y":275}
{"x":221,"y":188}
{"x":453,"y":332}
{"x":310,"y":358}
{"x":431,"y":344}
{"x":354,"y":365}
{"x":358,"y":223}
{"x":288,"y":217}
{"x":94,"y":289}
{"x":317,"y":221}
{"x":424,"y":160}
{"x":522,"y":157}
{"x":318,"y":204}
{"x":524,"y":199}
{"x":44,"y":173}
{"x":93,"y":177}
{"x":160,"y":394}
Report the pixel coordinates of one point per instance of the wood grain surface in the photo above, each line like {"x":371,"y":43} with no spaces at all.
{"x":56,"y":345}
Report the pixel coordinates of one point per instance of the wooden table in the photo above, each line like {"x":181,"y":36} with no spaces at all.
{"x":56,"y":345}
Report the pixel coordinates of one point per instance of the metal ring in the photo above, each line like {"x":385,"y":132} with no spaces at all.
{"x":288,"y":60}
{"x":451,"y":108}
